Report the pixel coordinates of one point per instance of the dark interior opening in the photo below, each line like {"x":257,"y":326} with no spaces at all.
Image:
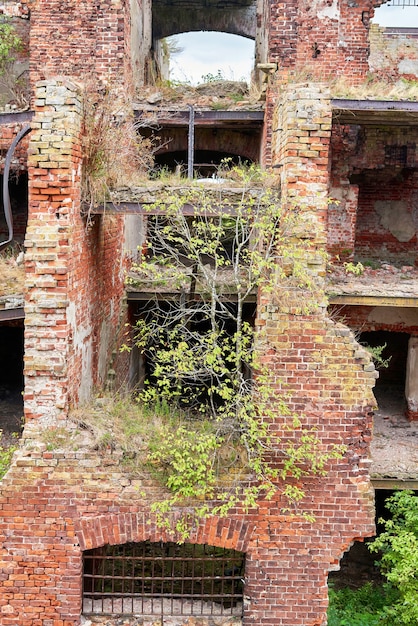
{"x":11,"y":381}
{"x":358,"y":564}
{"x":142,"y":368}
{"x":18,"y":190}
{"x":390,"y":386}
{"x":206,"y":162}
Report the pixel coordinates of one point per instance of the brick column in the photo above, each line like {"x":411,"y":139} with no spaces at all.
{"x":323,"y":373}
{"x":54,"y":196}
{"x":411,"y":389}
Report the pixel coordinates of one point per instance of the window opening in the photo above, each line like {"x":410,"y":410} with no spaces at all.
{"x":152,"y":578}
{"x":207,"y":56}
{"x":195,"y":392}
{"x":396,"y":14}
{"x":390,"y":386}
{"x":400,"y":156}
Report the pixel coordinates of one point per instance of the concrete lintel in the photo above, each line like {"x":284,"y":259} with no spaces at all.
{"x":16,"y":117}
{"x":147,"y":208}
{"x":7,"y":315}
{"x":395,"y":301}
{"x":219,"y":119}
{"x":375,"y":112}
{"x":395,"y":483}
{"x":152,"y":294}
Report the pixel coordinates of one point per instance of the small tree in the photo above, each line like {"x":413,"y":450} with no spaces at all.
{"x":10,"y":46}
{"x":204,"y":356}
{"x":398,"y":544}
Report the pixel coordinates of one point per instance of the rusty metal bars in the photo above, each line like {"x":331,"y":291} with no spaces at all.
{"x":163,"y":579}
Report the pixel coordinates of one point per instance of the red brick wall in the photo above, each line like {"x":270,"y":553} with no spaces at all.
{"x":74,"y":272}
{"x":394,"y":54}
{"x":55,"y":503}
{"x":85,"y":39}
{"x":320,"y":39}
{"x":7,"y":133}
{"x":366,"y":318}
{"x":372,"y":168}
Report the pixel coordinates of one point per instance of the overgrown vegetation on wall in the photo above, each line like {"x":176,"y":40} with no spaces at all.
{"x":114,"y":154}
{"x":211,"y":440}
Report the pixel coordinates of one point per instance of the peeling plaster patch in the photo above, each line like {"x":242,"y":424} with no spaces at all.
{"x":394,"y":216}
{"x":105,"y":334}
{"x":82,"y":341}
{"x":408,"y":66}
{"x":394,"y":315}
{"x":330,"y":11}
{"x":411,"y":390}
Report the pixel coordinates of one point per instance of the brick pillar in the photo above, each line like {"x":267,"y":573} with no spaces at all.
{"x":54,"y":167}
{"x":318,"y":366}
{"x":411,"y":389}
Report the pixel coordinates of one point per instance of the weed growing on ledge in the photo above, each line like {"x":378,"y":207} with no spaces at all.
{"x":114,"y":154}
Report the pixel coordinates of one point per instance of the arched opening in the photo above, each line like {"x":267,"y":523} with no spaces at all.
{"x":229,"y":36}
{"x":157,"y":578}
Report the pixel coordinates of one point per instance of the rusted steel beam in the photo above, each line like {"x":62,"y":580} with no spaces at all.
{"x":6,"y":197}
{"x":7,"y":315}
{"x":16,"y":117}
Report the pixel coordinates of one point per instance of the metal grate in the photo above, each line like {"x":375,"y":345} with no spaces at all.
{"x":402,"y":3}
{"x":163,"y":579}
{"x":400,"y":156}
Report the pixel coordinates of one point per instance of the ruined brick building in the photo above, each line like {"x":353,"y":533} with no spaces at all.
{"x":352,"y":163}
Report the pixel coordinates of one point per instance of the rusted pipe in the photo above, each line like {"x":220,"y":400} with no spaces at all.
{"x":6,"y":196}
{"x":190,"y":146}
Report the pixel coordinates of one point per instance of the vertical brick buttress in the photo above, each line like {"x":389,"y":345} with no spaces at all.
{"x":74,"y":270}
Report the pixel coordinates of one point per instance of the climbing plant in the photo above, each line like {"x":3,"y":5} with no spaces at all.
{"x":204,"y":356}
{"x":10,"y":44}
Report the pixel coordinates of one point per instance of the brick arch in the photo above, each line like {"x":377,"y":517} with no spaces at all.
{"x":234,"y":18}
{"x":120,"y":528}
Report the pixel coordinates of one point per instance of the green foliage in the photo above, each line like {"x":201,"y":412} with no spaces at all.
{"x":15,"y":88}
{"x":213,"y":78}
{"x":365,"y":606}
{"x":10,"y":44}
{"x":204,"y":353}
{"x":357,"y":269}
{"x":398,"y":544}
{"x":185,"y":460}
{"x":6,"y":455}
{"x":376,"y":352}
